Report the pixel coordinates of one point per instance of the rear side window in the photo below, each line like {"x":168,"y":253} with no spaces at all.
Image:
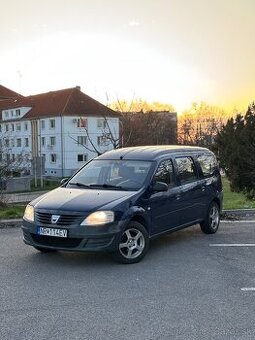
{"x":208,"y":164}
{"x":164,"y":173}
{"x":186,"y":169}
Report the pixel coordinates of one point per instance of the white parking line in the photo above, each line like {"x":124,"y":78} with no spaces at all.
{"x":239,"y":221}
{"x":248,"y":289}
{"x":232,"y":245}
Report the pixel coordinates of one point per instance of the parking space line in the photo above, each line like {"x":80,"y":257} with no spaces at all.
{"x":248,"y":289}
{"x":239,"y":221}
{"x":232,"y":245}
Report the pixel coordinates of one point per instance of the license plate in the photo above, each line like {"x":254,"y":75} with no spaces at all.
{"x":52,"y":232}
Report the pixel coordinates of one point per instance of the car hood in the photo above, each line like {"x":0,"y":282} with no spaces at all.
{"x":81,"y":199}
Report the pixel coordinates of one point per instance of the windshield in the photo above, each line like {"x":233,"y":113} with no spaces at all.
{"x":112,"y":174}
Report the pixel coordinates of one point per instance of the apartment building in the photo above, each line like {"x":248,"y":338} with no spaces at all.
{"x":63,"y":129}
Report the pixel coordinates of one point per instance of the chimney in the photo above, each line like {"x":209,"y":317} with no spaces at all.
{"x":78,"y":88}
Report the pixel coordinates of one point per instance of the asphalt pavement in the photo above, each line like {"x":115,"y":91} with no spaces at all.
{"x":189,"y":286}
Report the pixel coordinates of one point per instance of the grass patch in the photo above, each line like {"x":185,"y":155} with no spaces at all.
{"x":16,"y":211}
{"x":235,"y":200}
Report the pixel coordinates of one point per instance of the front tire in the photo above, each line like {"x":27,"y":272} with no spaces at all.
{"x":133,"y":244}
{"x":211,"y":223}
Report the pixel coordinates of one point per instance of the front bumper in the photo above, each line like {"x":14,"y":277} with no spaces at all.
{"x":79,"y":238}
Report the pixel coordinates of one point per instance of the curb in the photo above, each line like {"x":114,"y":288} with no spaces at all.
{"x":238,"y":214}
{"x":11,"y":223}
{"x":227,"y":215}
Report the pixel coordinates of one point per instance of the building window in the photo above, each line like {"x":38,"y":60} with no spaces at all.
{"x":6,"y":114}
{"x":82,"y":158}
{"x":26,"y":142}
{"x":6,"y":127}
{"x":12,"y":143}
{"x":18,"y":127}
{"x":53,"y":158}
{"x":18,"y":141}
{"x":0,"y":128}
{"x":52,"y":141}
{"x":26,"y":126}
{"x":43,"y":141}
{"x":13,"y":127}
{"x":102,"y":140}
{"x":7,"y":143}
{"x":13,"y":157}
{"x":82,"y":122}
{"x":17,"y":113}
{"x":12,"y":114}
{"x":1,"y":144}
{"x":19,"y":158}
{"x":101,"y":123}
{"x":82,"y":140}
{"x":42,"y":124}
{"x":52,"y":123}
{"x":8,"y":157}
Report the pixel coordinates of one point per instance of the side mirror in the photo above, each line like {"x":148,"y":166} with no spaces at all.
{"x":159,"y":186}
{"x":63,"y":181}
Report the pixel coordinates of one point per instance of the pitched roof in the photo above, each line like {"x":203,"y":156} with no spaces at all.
{"x":6,"y":93}
{"x":67,"y":102}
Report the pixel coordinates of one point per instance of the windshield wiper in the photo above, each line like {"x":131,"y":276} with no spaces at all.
{"x":107,"y":186}
{"x":80,"y":185}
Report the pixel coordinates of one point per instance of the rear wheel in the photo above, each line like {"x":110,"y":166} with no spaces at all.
{"x":45,"y":250}
{"x":212,"y":221}
{"x":133,"y":244}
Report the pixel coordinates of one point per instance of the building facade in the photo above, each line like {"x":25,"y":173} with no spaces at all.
{"x":54,"y":133}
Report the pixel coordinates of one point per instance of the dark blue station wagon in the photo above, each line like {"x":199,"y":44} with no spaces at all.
{"x":120,"y":200}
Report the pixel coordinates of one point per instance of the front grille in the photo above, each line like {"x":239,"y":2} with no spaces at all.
{"x":66,"y":220}
{"x":56,"y":241}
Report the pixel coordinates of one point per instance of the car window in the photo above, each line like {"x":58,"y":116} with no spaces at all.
{"x":208,"y":164}
{"x":186,"y":169}
{"x":128,"y":174}
{"x":165,"y":173}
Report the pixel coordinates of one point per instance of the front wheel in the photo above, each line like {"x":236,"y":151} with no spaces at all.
{"x":211,"y":223}
{"x":133,"y":244}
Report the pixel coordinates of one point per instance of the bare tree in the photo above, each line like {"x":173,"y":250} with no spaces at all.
{"x":200,"y":124}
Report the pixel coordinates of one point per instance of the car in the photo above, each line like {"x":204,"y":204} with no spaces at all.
{"x":122,"y":199}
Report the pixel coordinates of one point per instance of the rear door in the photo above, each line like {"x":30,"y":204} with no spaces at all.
{"x":191,"y":196}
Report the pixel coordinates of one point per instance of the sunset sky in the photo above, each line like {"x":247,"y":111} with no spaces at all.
{"x":172,"y":51}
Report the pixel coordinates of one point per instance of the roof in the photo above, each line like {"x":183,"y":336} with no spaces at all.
{"x":6,"y":93}
{"x":152,"y":152}
{"x":67,"y":102}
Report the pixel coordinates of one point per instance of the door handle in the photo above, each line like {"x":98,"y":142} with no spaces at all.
{"x":203,"y":188}
{"x":178,"y":196}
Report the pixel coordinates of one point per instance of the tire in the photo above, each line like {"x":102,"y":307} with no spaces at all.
{"x":45,"y":250}
{"x":133,"y":244}
{"x":212,"y":221}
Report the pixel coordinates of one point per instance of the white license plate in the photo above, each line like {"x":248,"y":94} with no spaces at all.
{"x":52,"y":232}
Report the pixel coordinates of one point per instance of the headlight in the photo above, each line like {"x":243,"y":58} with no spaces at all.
{"x":99,"y":217}
{"x":29,"y":213}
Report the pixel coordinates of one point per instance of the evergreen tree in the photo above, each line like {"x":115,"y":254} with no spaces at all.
{"x":235,"y":145}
